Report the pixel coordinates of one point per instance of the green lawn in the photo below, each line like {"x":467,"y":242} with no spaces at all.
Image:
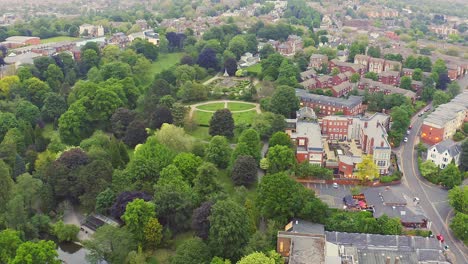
{"x":244,"y":117}
{"x":200,"y":133}
{"x":202,"y":118}
{"x":257,"y":68}
{"x":211,"y":107}
{"x":58,"y":39}
{"x":165,"y":61}
{"x":240,"y":106}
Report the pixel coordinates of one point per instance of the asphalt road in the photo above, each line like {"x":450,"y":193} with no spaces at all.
{"x":433,"y":199}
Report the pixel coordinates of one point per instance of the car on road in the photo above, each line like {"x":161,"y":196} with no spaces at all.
{"x":410,"y":127}
{"x":420,"y":114}
{"x":407,"y":132}
{"x":427,"y":109}
{"x":405,"y":139}
{"x":335,"y":185}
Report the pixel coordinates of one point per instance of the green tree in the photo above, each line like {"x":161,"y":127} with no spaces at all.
{"x":405,"y":82}
{"x":268,"y":123}
{"x":372,"y":75}
{"x":355,"y":77}
{"x":187,"y":163}
{"x":244,"y":171}
{"x":205,"y":183}
{"x":74,"y":123}
{"x":284,"y":101}
{"x":222,"y":123}
{"x":6,"y":183}
{"x":280,"y":138}
{"x":287,"y":74}
{"x":281,"y":158}
{"x":367,"y":170}
{"x":459,"y":225}
{"x":65,"y":232}
{"x":450,"y":176}
{"x":54,"y":106}
{"x":453,"y":89}
{"x":193,"y":250}
{"x":464,"y":156}
{"x":252,"y":140}
{"x":136,"y":216}
{"x":458,"y":197}
{"x":54,"y":77}
{"x":238,"y":46}
{"x":228,"y":233}
{"x":389,"y":226}
{"x":174,"y":138}
{"x":218,"y":152}
{"x":417,"y":74}
{"x":440,"y":97}
{"x":27,"y":111}
{"x":110,"y":243}
{"x":374,"y":52}
{"x":9,"y":242}
{"x":42,"y":252}
{"x":153,"y":232}
{"x":428,"y":169}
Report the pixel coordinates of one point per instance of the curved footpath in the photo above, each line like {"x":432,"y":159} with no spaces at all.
{"x":193,"y":108}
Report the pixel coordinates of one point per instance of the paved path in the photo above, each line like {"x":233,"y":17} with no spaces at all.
{"x":211,"y":80}
{"x":194,"y":108}
{"x":433,"y":199}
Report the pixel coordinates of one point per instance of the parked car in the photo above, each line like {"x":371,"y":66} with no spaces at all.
{"x":335,"y":185}
{"x":405,"y":139}
{"x":407,"y":132}
{"x":410,"y":127}
{"x":420,"y":114}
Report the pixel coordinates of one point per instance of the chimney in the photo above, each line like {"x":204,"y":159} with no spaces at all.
{"x":387,"y":260}
{"x":397,"y":260}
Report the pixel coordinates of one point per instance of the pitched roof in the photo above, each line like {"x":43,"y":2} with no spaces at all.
{"x":449,"y":145}
{"x":351,"y":102}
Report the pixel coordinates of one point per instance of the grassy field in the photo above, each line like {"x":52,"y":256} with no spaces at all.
{"x":240,"y":106}
{"x":58,"y":39}
{"x":203,"y":118}
{"x":165,"y":61}
{"x":200,"y":133}
{"x":257,"y":68}
{"x":211,"y":107}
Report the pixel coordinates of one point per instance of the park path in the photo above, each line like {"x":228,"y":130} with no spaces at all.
{"x":194,"y":108}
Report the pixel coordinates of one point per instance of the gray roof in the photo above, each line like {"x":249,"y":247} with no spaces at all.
{"x":305,"y":227}
{"x":351,"y":102}
{"x":449,"y":145}
{"x":447,"y":112}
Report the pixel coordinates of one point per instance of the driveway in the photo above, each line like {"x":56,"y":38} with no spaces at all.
{"x":331,"y":196}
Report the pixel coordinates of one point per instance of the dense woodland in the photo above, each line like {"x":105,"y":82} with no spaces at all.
{"x":104,"y":135}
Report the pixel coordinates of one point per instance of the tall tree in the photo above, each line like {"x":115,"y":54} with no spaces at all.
{"x":136,"y":216}
{"x":205,"y":183}
{"x":284,"y":101}
{"x":280,"y":158}
{"x":405,"y":82}
{"x":440,"y":97}
{"x":153,"y":233}
{"x":6,"y":183}
{"x":244,"y":171}
{"x":200,"y":220}
{"x":42,"y":252}
{"x":218,"y":152}
{"x":459,"y":225}
{"x":222,"y":123}
{"x":9,"y":242}
{"x":458,"y":198}
{"x":228,"y":234}
{"x":367,"y":170}
{"x":207,"y":59}
{"x":193,"y":250}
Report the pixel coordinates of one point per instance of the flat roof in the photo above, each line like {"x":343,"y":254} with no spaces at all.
{"x":312,"y":132}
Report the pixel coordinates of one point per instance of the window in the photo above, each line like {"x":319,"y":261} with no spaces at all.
{"x":445,"y":159}
{"x":381,"y":163}
{"x":433,"y":156}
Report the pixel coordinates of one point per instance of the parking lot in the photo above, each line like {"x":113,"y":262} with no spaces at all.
{"x":330,"y":195}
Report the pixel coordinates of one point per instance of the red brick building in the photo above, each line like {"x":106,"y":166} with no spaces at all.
{"x":329,"y":105}
{"x":341,"y":89}
{"x":316,"y":60}
{"x":390,"y":78}
{"x":346,"y":67}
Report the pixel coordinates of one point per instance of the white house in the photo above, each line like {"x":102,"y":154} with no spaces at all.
{"x":444,"y":152}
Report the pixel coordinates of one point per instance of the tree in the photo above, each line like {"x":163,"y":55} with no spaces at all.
{"x":228,"y":232}
{"x":193,"y":250}
{"x":200,"y":220}
{"x":374,"y":52}
{"x":187,"y":163}
{"x":9,"y":242}
{"x":231,"y":66}
{"x":41,"y":252}
{"x":280,"y":138}
{"x":284,"y":101}
{"x":372,"y":75}
{"x":251,"y":139}
{"x":54,"y":77}
{"x":440,"y":97}
{"x":27,"y":111}
{"x":405,"y":82}
{"x":429,"y":170}
{"x":417,"y":74}
{"x":65,"y":232}
{"x":207,"y":59}
{"x":120,"y":204}
{"x":458,"y":197}
{"x":355,"y":77}
{"x":354,"y":49}
{"x":174,"y":201}
{"x":238,"y":46}
{"x":136,"y":216}
{"x":389,"y":226}
{"x":222,"y":123}
{"x":288,"y":74}
{"x":305,"y":169}
{"x":205,"y":183}
{"x":244,"y":171}
{"x":261,"y":258}
{"x":160,"y":116}
{"x":7,"y":121}
{"x":54,"y":106}
{"x":153,"y":232}
{"x":267,"y":123}
{"x":73,"y":124}
{"x":280,"y":198}
{"x":280,"y":158}
{"x":6,"y":183}
{"x":148,"y":49}
{"x":266,"y":51}
{"x":174,"y":138}
{"x":192,"y":91}
{"x":89,"y":59}
{"x":367,"y":170}
{"x":464,"y":156}
{"x":120,"y":121}
{"x":450,"y":176}
{"x":104,"y":201}
{"x":110,"y":243}
{"x":135,"y":134}
{"x":453,"y":89}
{"x":459,"y":225}
{"x":218,"y":152}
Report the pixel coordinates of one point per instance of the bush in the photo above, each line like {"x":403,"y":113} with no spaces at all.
{"x":65,"y":232}
{"x":389,"y":178}
{"x":458,"y":136}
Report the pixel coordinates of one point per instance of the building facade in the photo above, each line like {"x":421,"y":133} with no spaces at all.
{"x":444,"y":152}
{"x":325,"y":105}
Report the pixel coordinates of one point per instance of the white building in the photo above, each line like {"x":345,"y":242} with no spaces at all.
{"x":444,"y":152}
{"x":149,"y":35}
{"x":91,"y":30}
